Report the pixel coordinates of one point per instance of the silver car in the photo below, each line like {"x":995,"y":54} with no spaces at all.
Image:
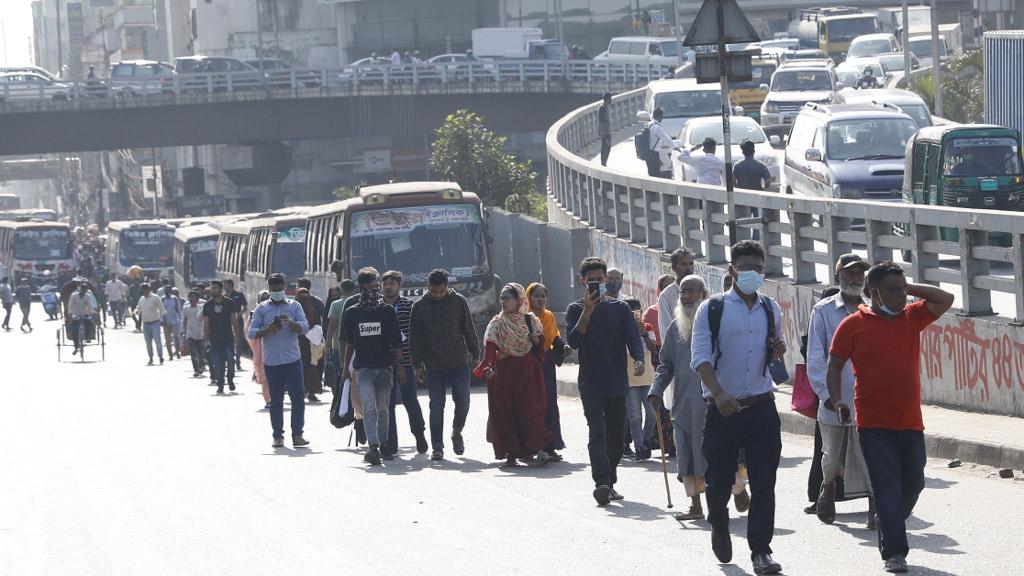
{"x":28,"y":86}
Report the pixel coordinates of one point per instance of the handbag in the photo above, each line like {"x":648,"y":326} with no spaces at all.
{"x":536,"y":349}
{"x":805,"y":401}
{"x":342,"y":409}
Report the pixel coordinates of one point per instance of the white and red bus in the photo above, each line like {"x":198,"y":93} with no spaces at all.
{"x":148,"y":244}
{"x":29,"y":249}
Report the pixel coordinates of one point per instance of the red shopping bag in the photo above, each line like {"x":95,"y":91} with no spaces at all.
{"x":805,"y":401}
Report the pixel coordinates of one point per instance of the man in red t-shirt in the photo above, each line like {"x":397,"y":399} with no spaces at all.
{"x":883,"y":342}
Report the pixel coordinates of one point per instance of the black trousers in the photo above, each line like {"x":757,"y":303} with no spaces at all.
{"x":606,"y":149}
{"x":606,"y":420}
{"x":757,"y":431}
{"x":653,"y":161}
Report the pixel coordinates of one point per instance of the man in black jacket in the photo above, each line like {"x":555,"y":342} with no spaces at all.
{"x":444,"y":341}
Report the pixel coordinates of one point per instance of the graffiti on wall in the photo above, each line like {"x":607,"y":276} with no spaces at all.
{"x":980,"y":359}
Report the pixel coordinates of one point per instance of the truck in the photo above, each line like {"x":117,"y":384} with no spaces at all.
{"x":951,"y":41}
{"x":832,"y":29}
{"x":515,"y":44}
{"x":891,"y":19}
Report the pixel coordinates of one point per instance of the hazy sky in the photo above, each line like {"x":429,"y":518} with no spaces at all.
{"x":16,"y":28}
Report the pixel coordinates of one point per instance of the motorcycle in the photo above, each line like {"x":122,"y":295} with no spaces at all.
{"x":51,"y":303}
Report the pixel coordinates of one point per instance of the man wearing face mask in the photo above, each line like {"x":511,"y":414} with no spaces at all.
{"x":841,"y":453}
{"x":883,"y":343}
{"x":613,"y":285}
{"x":735,"y":337}
{"x":277,"y":323}
{"x":601,"y":327}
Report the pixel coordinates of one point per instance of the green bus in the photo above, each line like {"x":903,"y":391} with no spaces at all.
{"x":967,"y":166}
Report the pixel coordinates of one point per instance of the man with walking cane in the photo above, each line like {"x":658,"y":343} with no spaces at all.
{"x":688,"y":405}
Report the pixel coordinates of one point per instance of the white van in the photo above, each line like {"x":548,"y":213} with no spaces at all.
{"x":645,"y":50}
{"x":681,"y":99}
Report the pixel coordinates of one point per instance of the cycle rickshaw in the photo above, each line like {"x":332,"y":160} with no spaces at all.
{"x":88,"y":328}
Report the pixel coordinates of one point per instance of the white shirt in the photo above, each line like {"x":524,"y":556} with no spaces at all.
{"x":710,"y":168}
{"x":194,"y":320}
{"x":116,"y":290}
{"x":79,"y":305}
{"x":667,"y":308}
{"x":825,"y":319}
{"x":396,"y":58}
{"x":151,"y":308}
{"x":660,"y":140}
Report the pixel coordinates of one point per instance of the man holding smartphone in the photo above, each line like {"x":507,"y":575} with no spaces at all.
{"x":601,"y":328}
{"x":278,"y":323}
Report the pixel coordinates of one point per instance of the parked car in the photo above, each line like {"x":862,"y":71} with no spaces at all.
{"x":853,"y":151}
{"x":27,"y":86}
{"x":140,"y":77}
{"x":791,"y":87}
{"x":868,"y":45}
{"x":741,"y":128}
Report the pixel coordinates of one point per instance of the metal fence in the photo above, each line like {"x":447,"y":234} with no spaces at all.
{"x":800,"y":234}
{"x":505,"y":76}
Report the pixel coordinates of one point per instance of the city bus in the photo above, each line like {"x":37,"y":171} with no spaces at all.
{"x":413,"y":227}
{"x":251,"y":250}
{"x":24,"y":214}
{"x":195,"y":255}
{"x":30,"y":249}
{"x":148,"y":244}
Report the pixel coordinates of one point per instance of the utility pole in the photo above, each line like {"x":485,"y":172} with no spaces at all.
{"x":726,"y":124}
{"x":561,"y":35}
{"x":905,"y":41}
{"x":936,"y":63}
{"x":60,"y":44}
{"x":679,"y":32}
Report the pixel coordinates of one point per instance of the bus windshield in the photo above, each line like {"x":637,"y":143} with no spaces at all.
{"x":850,"y":28}
{"x":204,"y":260}
{"x":42,"y":244}
{"x":981,"y":156}
{"x":147,"y":246}
{"x":290,"y":252}
{"x":689,"y":103}
{"x":419,"y":239}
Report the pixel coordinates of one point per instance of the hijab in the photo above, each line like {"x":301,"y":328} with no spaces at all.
{"x":547,"y":317}
{"x":509,"y":329}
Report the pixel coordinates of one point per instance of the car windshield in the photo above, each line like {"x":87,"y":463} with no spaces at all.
{"x":981,"y":157}
{"x":42,"y":244}
{"x":204,"y":260}
{"x":122,"y":71}
{"x":869,"y":48}
{"x":893,"y":62}
{"x":919,"y":112}
{"x":847,"y":77}
{"x":689,"y":103}
{"x":290,"y":251}
{"x":740,"y":130}
{"x":759,"y":74}
{"x":147,"y":246}
{"x":850,"y":28}
{"x":869,"y":138}
{"x":802,"y":80}
{"x":670,"y":49}
{"x":419,"y":239}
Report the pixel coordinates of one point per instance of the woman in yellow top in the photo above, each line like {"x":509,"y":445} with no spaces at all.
{"x":555,"y":349}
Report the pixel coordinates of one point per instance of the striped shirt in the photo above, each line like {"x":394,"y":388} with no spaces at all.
{"x":403,"y":308}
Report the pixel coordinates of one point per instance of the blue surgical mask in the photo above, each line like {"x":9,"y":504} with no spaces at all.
{"x":749,"y":281}
{"x":277,"y":296}
{"x":888,"y":311}
{"x":613,"y":286}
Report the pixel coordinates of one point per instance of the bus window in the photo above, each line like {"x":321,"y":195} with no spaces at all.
{"x":290,"y":252}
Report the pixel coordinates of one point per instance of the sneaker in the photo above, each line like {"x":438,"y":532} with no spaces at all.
{"x":372,"y":456}
{"x":615,"y":496}
{"x":896,"y":565}
{"x":437,"y":455}
{"x":278,"y":442}
{"x":603,"y":495}
{"x":220,"y":389}
{"x":627,"y":452}
{"x":161,"y":361}
{"x":150,"y":363}
{"x":458,"y":445}
{"x":231,"y":385}
{"x":641,"y":455}
{"x":299,"y":441}
{"x":388,"y":454}
{"x":170,"y":356}
{"x":421,"y":443}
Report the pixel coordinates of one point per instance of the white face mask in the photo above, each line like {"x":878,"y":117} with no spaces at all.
{"x":277,"y":296}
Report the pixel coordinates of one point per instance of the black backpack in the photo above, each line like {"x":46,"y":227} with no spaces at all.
{"x":716,"y":306}
{"x":642,"y":142}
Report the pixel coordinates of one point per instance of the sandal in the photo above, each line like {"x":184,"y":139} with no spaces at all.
{"x":694,"y":513}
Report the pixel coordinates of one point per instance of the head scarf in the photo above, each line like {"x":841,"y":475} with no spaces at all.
{"x":547,"y":317}
{"x":369,"y":299}
{"x":509,"y":329}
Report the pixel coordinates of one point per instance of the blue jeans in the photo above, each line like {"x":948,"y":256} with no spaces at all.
{"x":438,"y":381}
{"x":407,"y":393}
{"x":895,"y":460}
{"x":151,"y":332}
{"x":375,"y":393}
{"x":222,"y":356}
{"x":196,"y":348}
{"x":117,"y":310}
{"x":640,"y":427}
{"x":280,"y":379}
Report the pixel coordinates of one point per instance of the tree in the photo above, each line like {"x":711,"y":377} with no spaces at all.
{"x":467,"y":152}
{"x":962,"y":89}
{"x":345,"y":192}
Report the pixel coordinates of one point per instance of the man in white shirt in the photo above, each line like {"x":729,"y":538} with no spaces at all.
{"x":660,"y":142}
{"x":709,"y":167}
{"x":194,"y":332}
{"x":396,"y":58}
{"x":116,"y":292}
{"x":80,"y":308}
{"x":682,"y":266}
{"x":151,"y":311}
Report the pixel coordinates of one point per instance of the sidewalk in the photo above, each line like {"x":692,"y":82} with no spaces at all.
{"x":991,"y":440}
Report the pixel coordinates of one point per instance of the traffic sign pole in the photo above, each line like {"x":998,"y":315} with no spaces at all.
{"x":726,"y":124}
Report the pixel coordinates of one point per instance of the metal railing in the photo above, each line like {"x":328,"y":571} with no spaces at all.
{"x":494,"y":76}
{"x":801,"y":234}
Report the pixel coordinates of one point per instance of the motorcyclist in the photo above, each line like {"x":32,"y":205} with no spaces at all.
{"x":867,"y":80}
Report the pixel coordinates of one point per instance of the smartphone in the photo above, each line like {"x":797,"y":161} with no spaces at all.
{"x":593,"y":288}
{"x":844,"y":414}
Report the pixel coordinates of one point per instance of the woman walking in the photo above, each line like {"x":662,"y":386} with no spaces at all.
{"x":312,"y":354}
{"x":515,"y":392}
{"x":553,"y":348}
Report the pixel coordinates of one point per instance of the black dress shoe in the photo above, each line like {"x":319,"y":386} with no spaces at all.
{"x":763,"y":564}
{"x":721,"y":543}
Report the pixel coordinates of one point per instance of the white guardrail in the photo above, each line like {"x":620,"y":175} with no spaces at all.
{"x":465,"y":77}
{"x":663,"y":214}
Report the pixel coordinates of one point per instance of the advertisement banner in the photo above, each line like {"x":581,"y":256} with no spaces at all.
{"x":404,"y":220}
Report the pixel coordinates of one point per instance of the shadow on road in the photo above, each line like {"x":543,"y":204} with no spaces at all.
{"x":633,"y":510}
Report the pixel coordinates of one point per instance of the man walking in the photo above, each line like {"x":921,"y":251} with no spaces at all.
{"x":278,"y":323}
{"x":172,"y":322}
{"x":682,"y":266}
{"x":117,"y":294}
{"x":241,"y":305}
{"x":391,"y":285}
{"x":374,"y":345}
{"x":735,"y":337}
{"x":604,"y":127}
{"x":601,"y":328}
{"x":750,"y":173}
{"x":7,"y":299}
{"x":23,"y":295}
{"x":660,"y":142}
{"x":220,"y":325}
{"x":709,"y":168}
{"x":194,"y":332}
{"x":883,"y":343}
{"x":840,"y":443}
{"x":150,"y":311}
{"x":444,"y":342}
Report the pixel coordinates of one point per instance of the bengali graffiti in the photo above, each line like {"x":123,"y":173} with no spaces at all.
{"x":978,"y":363}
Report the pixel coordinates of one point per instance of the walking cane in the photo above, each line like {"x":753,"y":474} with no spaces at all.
{"x":661,"y":442}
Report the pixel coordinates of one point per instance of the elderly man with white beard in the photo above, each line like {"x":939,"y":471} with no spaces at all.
{"x":688,"y":404}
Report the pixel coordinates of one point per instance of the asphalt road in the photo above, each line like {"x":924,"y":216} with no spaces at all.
{"x":115,"y":468}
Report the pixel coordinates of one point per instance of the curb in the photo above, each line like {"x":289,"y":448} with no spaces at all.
{"x":939,"y":446}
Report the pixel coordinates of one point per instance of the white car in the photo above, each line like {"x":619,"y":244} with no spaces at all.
{"x":741,"y":128}
{"x":22,"y":86}
{"x":791,"y":87}
{"x":868,"y":45}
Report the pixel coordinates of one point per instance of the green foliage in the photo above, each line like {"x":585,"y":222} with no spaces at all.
{"x":345,"y":192}
{"x":465,"y":151}
{"x":962,"y":89}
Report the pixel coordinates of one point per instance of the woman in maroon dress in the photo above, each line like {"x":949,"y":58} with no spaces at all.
{"x":515,"y":391}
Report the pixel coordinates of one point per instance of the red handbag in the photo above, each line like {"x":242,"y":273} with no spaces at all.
{"x":805,"y":401}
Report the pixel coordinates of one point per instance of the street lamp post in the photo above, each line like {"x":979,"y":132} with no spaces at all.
{"x":906,"y":43}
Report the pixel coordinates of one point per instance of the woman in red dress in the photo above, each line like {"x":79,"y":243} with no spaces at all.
{"x":515,"y":381}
